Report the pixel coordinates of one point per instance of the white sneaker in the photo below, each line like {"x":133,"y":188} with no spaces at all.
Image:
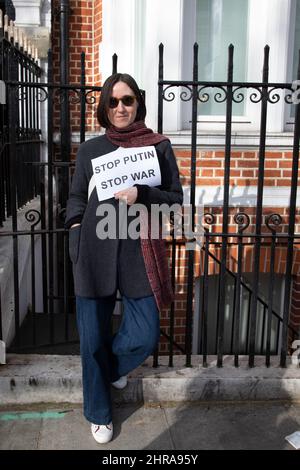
{"x":120,"y":383}
{"x":102,"y":433}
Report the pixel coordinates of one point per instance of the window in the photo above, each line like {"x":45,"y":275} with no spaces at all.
{"x":219,"y":24}
{"x":249,"y":25}
{"x":296,"y":40}
{"x":244,"y":330}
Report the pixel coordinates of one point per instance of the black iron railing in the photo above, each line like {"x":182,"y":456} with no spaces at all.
{"x":265,"y":94}
{"x":19,"y":183}
{"x":55,"y":276}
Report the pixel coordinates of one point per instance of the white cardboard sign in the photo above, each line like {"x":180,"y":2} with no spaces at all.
{"x":125,"y":167}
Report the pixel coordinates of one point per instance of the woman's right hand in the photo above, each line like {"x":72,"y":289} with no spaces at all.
{"x":75,"y":225}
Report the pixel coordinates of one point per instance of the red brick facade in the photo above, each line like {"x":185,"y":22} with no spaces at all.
{"x":85,"y":33}
{"x":244,"y":168}
{"x":244,"y":172}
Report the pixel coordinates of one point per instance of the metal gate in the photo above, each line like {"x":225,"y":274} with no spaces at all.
{"x":49,"y":322}
{"x":264,"y":94}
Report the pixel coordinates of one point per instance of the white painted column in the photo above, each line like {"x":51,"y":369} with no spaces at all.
{"x":163,"y":25}
{"x":124,"y":31}
{"x":269,"y":25}
{"x":118,"y":36}
{"x":278,"y":39}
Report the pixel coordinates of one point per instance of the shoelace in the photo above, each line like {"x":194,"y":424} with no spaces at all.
{"x":98,"y":427}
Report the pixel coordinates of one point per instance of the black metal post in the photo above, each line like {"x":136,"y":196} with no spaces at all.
{"x":12,"y":106}
{"x":243,"y":222}
{"x":160,"y":88}
{"x":114,"y":63}
{"x":65,"y":108}
{"x":221,"y":305}
{"x":82,"y":98}
{"x":271,"y":292}
{"x":291,"y":231}
{"x":50,"y":200}
{"x":191,"y":253}
{"x":204,"y":297}
{"x":259,"y":203}
{"x":33,"y":285}
{"x":172,"y":309}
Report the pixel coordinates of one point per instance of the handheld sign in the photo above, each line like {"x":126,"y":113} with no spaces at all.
{"x":125,"y":167}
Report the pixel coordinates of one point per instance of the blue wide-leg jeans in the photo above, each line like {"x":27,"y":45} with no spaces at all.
{"x":106,"y":357}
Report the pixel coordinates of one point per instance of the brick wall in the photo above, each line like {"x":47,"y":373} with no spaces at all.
{"x":244,"y":172}
{"x":85,"y":31}
{"x":244,"y":168}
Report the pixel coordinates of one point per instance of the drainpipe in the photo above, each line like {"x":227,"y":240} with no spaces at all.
{"x":65,"y":139}
{"x":8,"y":8}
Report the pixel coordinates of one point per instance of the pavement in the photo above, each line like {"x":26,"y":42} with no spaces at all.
{"x":166,"y":408}
{"x":192,"y":426}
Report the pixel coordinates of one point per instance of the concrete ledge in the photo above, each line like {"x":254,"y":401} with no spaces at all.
{"x":37,"y":378}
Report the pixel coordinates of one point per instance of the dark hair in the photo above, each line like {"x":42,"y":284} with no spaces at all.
{"x":106,"y":94}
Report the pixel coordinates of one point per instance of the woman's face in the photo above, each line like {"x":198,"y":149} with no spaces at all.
{"x":123,"y":114}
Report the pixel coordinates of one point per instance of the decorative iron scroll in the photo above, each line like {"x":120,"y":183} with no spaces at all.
{"x":33,"y":216}
{"x":186,"y":95}
{"x":209,"y":218}
{"x":273,"y":219}
{"x":256,"y":94}
{"x":242,"y":220}
{"x":90,"y":99}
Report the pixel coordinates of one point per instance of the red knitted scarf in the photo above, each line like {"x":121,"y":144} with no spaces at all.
{"x":156,"y":263}
{"x":153,"y":250}
{"x":134,"y":135}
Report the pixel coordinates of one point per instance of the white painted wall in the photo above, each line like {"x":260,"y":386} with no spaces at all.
{"x":122,"y":33}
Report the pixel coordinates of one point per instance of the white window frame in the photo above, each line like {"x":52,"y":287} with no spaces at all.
{"x":172,"y":22}
{"x":289,"y":121}
{"x":275,"y":17}
{"x":121,"y":34}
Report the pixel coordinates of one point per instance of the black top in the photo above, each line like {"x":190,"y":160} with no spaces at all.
{"x":100,"y":267}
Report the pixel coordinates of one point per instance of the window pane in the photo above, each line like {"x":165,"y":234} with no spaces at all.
{"x":296,"y":48}
{"x":219,"y":24}
{"x":297,"y":41}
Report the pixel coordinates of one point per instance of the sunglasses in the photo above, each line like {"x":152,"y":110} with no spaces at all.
{"x":127,"y":100}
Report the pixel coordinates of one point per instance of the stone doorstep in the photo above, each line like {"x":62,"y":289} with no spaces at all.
{"x":36,"y":378}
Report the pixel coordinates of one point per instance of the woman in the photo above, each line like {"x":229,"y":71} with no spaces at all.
{"x":101,"y":266}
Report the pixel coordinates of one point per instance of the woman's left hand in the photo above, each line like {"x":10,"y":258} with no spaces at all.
{"x":128,"y":195}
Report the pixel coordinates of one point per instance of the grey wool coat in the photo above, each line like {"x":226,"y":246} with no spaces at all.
{"x":101,"y":266}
